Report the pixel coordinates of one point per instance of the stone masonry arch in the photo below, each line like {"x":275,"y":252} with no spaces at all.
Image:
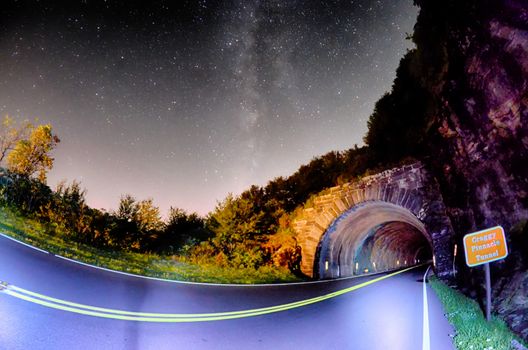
{"x":379,"y":222}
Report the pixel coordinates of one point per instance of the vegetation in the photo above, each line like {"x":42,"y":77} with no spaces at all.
{"x":29,"y":155}
{"x":43,"y":236}
{"x":399,"y":124}
{"x":11,"y":133}
{"x":472,"y":329}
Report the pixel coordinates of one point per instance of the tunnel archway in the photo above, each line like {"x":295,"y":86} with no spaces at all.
{"x":408,"y":195}
{"x":369,"y":237}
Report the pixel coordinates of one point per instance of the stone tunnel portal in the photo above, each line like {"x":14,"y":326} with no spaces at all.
{"x":369,"y":237}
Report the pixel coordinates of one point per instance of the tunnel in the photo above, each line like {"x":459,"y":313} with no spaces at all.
{"x":374,"y":236}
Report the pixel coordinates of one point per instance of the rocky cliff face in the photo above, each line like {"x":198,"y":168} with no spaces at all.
{"x":484,"y":126}
{"x":479,"y":138}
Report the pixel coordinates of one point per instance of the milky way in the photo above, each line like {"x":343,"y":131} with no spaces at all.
{"x":187,"y":101}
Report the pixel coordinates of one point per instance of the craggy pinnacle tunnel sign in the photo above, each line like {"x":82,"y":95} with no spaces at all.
{"x":485,"y":246}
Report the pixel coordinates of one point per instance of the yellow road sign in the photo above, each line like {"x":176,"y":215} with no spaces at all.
{"x":485,"y":246}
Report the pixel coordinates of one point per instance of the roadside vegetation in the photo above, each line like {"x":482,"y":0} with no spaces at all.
{"x":472,"y":330}
{"x":37,"y":234}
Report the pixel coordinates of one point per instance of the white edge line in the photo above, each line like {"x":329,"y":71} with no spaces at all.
{"x":197,"y":283}
{"x":426,"y":340}
{"x":27,"y":245}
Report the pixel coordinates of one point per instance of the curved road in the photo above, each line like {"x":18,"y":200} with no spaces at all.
{"x":386,"y":314}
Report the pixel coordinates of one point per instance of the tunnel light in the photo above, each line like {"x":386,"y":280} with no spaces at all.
{"x":357,"y":266}
{"x":434,"y":261}
{"x":455,"y":252}
{"x":326,"y":265}
{"x":374,"y":264}
{"x":405,"y":262}
{"x":398,"y":262}
{"x":366,"y":270}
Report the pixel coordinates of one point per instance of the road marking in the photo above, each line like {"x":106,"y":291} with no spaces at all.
{"x":426,"y":341}
{"x":27,"y":245}
{"x":89,"y":310}
{"x":189,"y":282}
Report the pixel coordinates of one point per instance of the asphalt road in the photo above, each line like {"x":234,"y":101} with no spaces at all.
{"x":387,"y":314}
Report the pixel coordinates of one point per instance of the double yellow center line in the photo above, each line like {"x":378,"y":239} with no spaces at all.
{"x":89,"y":310}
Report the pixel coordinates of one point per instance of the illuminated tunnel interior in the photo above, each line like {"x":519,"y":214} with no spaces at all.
{"x":372,"y":237}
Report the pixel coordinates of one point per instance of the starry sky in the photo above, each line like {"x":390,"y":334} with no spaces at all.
{"x":186,"y":101}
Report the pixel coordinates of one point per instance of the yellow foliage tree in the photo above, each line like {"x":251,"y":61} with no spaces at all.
{"x":148,"y":216}
{"x":11,"y":133}
{"x":32,"y":155}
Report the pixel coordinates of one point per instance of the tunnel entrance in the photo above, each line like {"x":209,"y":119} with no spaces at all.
{"x":344,"y":225}
{"x":374,"y":236}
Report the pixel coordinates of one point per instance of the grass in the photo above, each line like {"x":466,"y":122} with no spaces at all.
{"x":473,"y":332}
{"x":170,"y":267}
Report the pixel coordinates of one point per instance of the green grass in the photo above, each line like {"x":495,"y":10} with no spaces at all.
{"x":473,"y":332}
{"x":35,"y":233}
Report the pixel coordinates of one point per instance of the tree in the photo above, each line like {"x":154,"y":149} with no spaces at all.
{"x":32,"y":156}
{"x":182,"y":230}
{"x":67,"y":210}
{"x":11,"y":134}
{"x":73,"y":203}
{"x":236,"y":223}
{"x":125,"y":233}
{"x":127,"y":208}
{"x":399,"y":125}
{"x":138,"y":223}
{"x":148,"y":216}
{"x":26,"y":194}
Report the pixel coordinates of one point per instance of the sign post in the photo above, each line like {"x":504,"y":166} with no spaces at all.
{"x":483,"y":247}
{"x":488,"y":291}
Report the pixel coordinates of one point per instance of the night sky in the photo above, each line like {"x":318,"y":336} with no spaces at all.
{"x":186,"y":101}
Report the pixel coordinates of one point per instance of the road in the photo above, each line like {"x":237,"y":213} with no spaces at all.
{"x":386,"y":314}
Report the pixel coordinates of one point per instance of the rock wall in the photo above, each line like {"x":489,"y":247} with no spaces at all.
{"x":483,"y":127}
{"x":479,"y":142}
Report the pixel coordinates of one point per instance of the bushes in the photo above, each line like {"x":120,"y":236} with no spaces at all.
{"x":37,"y":234}
{"x":25,"y":193}
{"x":136,"y":226}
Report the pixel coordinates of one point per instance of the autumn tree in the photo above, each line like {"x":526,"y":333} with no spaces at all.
{"x":32,"y":155}
{"x":148,"y":216}
{"x":11,"y":133}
